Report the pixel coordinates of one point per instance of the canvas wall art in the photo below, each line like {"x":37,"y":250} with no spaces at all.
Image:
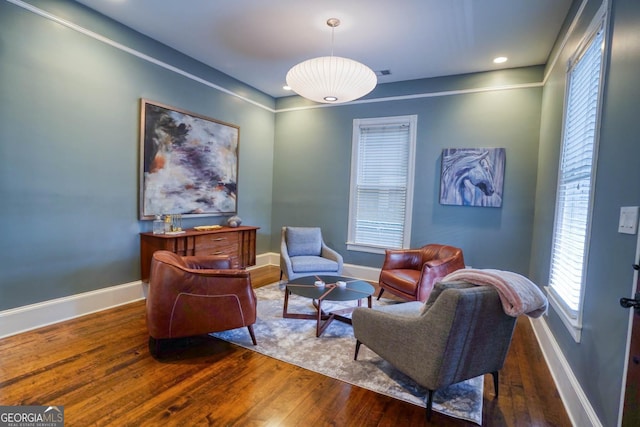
{"x":189,"y":163}
{"x":472,"y":176}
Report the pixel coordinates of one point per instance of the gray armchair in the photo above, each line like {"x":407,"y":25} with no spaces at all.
{"x":460,"y":333}
{"x":304,"y":253}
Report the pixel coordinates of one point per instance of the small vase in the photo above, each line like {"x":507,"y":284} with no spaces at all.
{"x":158,"y":225}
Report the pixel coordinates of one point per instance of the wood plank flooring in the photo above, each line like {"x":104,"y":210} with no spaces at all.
{"x":100,"y":369}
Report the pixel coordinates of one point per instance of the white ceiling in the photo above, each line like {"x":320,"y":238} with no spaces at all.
{"x":257,"y":41}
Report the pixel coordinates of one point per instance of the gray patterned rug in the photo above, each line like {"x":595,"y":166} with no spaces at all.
{"x":294,"y":341}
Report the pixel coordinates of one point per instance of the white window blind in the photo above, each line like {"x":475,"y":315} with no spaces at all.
{"x":575,"y":181}
{"x":381,"y":182}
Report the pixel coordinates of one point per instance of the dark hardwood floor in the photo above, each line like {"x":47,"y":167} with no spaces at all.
{"x":100,"y":369}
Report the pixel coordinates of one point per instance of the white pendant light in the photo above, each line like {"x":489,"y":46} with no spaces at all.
{"x":331,"y":79}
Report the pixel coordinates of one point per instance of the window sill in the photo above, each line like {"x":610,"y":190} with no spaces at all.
{"x":365,"y":248}
{"x":573,"y":325}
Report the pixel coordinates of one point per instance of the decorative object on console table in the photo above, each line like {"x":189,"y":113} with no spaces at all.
{"x":158,"y":225}
{"x":238,"y":242}
{"x":234,"y":221}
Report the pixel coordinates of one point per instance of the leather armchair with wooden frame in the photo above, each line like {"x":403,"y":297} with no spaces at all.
{"x":411,"y":273}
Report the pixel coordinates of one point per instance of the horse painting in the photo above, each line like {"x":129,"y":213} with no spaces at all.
{"x":472,"y":176}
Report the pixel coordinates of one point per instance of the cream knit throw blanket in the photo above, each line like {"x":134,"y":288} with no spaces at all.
{"x":518,"y":294}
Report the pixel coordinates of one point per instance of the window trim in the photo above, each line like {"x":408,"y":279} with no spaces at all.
{"x":574,"y":324}
{"x":412,"y":121}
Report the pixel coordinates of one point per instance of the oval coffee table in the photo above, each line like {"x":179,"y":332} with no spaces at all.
{"x":304,"y":286}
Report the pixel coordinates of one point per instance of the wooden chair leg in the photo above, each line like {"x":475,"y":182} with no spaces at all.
{"x":429,"y":404}
{"x":281,"y":275}
{"x":358,"y":344}
{"x":495,"y":382}
{"x":253,"y":336}
{"x":380,"y":294}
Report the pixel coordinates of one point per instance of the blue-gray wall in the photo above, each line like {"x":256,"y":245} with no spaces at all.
{"x":598,"y":360}
{"x":69,"y":165}
{"x":313,"y":158}
{"x":69,"y":125}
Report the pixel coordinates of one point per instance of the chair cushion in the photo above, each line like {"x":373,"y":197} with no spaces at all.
{"x":308,"y":264}
{"x":304,"y":241}
{"x":403,"y":280}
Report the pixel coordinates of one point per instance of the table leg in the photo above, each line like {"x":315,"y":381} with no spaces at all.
{"x":323,"y":320}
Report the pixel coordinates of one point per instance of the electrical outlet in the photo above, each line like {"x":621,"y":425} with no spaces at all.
{"x":628,"y":223}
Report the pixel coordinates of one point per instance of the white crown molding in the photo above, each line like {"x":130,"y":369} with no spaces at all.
{"x":132,"y":51}
{"x":145,"y":57}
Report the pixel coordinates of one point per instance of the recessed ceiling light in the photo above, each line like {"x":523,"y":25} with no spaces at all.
{"x":285,"y":87}
{"x":500,"y":60}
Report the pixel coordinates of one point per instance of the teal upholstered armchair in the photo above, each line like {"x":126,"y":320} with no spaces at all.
{"x":304,"y":253}
{"x":460,"y":333}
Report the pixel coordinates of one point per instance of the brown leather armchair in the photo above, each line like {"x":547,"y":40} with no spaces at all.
{"x":196,"y":295}
{"x":411,"y":273}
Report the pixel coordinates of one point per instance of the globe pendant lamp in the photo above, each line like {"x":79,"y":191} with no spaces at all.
{"x":331,"y":79}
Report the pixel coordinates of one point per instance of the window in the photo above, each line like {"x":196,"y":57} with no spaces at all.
{"x":381,"y":197}
{"x":575,"y":182}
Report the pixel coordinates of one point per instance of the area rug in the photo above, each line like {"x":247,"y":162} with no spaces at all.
{"x":294,"y":341}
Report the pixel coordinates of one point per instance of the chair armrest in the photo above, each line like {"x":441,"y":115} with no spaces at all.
{"x":432,"y":272}
{"x":436,"y":262}
{"x":391,"y":326}
{"x":400,"y":338}
{"x":207,"y":262}
{"x":216,"y":278}
{"x":438,"y":268}
{"x":402,"y":259}
{"x":331,"y":254}
{"x":285,"y":261}
{"x":202,"y":281}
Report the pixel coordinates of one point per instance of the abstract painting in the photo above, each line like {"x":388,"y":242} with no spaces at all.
{"x":188,"y":163}
{"x":472,"y":176}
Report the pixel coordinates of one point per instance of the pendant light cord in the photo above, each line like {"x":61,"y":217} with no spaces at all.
{"x":333,"y":23}
{"x":333,"y":29}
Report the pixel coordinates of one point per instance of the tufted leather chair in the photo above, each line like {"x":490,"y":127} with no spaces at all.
{"x":196,"y":295}
{"x":411,"y":273}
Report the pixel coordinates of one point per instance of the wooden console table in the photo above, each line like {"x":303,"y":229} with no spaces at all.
{"x":237,"y":242}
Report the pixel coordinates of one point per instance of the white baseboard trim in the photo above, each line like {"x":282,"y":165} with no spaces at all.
{"x":268,"y":258}
{"x":362,"y":272}
{"x":573,"y":397}
{"x":33,"y":316}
